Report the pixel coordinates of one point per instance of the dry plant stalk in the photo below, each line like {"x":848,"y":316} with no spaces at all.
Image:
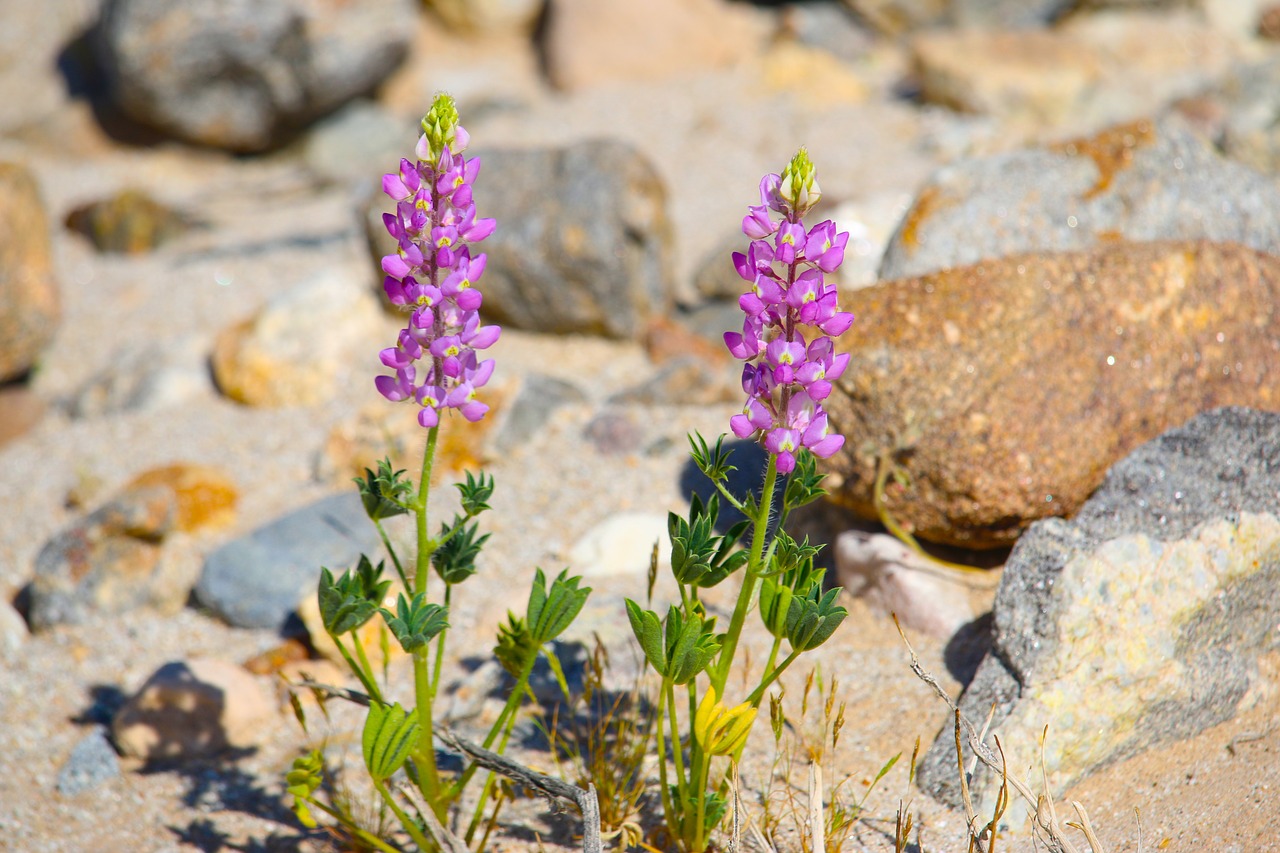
{"x":1045,"y":821}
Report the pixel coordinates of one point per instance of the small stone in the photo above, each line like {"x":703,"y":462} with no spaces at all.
{"x":29,"y":305}
{"x":92,"y":762}
{"x":243,"y":77}
{"x":274,"y":660}
{"x":300,"y":346}
{"x":192,"y":709}
{"x":20,"y":410}
{"x":536,"y":400}
{"x":898,"y":581}
{"x":1139,"y":622}
{"x":590,"y":42}
{"x":129,"y":222}
{"x":126,"y":555}
{"x":614,"y":433}
{"x":205,"y":497}
{"x":256,"y":581}
{"x":622,"y":545}
{"x":147,"y":377}
{"x":1011,"y":413}
{"x":1269,"y":23}
{"x":583,"y":243}
{"x":13,"y":629}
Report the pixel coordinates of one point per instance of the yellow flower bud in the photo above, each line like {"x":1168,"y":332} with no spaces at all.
{"x":720,"y":730}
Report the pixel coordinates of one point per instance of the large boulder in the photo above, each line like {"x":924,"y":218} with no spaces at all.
{"x":243,"y":74}
{"x":1140,"y":621}
{"x":1005,"y":390}
{"x":1137,"y":181}
{"x":29,"y":305}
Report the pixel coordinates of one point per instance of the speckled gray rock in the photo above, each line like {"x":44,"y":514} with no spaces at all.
{"x":534,"y":403}
{"x":357,"y":144}
{"x":92,"y":762}
{"x":242,"y":74}
{"x":1137,"y":182}
{"x":1141,"y":620}
{"x":256,"y":581}
{"x":583,"y":241}
{"x":147,"y":377}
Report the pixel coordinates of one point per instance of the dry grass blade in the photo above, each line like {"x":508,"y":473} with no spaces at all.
{"x":756,"y":835}
{"x":1087,"y":828}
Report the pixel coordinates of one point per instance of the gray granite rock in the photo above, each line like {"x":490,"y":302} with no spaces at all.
{"x":1140,"y":621}
{"x":1138,"y":182}
{"x":92,"y":762}
{"x":357,"y":144}
{"x":583,"y":242}
{"x":256,"y":581}
{"x":147,"y":377}
{"x":242,"y":74}
{"x":536,"y":400}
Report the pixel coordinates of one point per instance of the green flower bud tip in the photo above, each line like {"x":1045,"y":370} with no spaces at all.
{"x":441,"y":130}
{"x":799,"y":186}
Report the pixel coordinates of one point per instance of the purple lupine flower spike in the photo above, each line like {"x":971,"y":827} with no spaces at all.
{"x":792,"y":315}
{"x":433,"y":274}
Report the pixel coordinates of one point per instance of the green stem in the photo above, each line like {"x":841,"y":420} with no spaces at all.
{"x":667,"y":808}
{"x":420,"y":512}
{"x":677,"y":751}
{"x":405,"y":821}
{"x":773,"y":656}
{"x":758,"y":693}
{"x":435,"y":676}
{"x":366,"y":678}
{"x":395,"y":559}
{"x":488,"y":782}
{"x":424,"y":755}
{"x":755,"y":565}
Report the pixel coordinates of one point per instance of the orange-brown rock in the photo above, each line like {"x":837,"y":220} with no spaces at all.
{"x":1005,"y":390}
{"x":204,"y":496}
{"x":29,"y":305}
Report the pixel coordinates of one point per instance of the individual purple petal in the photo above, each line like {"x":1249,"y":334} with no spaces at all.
{"x":769,"y":197}
{"x":741,"y":426}
{"x":828,"y":446}
{"x":480,"y":230}
{"x":781,"y":351}
{"x":838,"y":324}
{"x":485,"y":337}
{"x":395,"y":266}
{"x":757,"y":224}
{"x":790,"y":235}
{"x":786,"y":462}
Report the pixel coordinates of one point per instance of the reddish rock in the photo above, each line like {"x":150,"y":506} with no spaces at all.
{"x":131,"y":552}
{"x":29,"y":306}
{"x":1007,"y":389}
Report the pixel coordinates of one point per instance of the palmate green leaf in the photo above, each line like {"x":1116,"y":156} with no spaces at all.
{"x":698,"y":556}
{"x":515,"y":646}
{"x":475,"y":493}
{"x":390,"y":735}
{"x":690,"y":645}
{"x":455,"y":560}
{"x":353,"y":598}
{"x":804,"y":484}
{"x":384,"y":494}
{"x":813,"y":617}
{"x":550,"y":612}
{"x":416,"y":621}
{"x":648,"y":630}
{"x":713,"y":463}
